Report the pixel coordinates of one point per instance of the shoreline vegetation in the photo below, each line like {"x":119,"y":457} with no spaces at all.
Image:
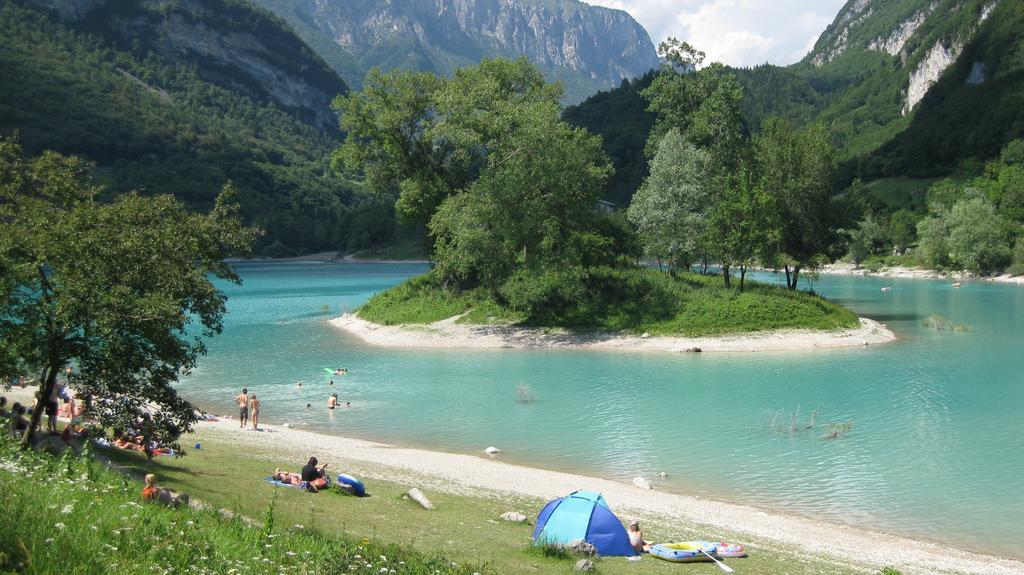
{"x":477,"y":485}
{"x":654,"y":312}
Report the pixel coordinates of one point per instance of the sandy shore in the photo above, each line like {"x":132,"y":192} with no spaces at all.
{"x":479,"y":476}
{"x":845,"y":269}
{"x":459,"y":474}
{"x":449,"y":334}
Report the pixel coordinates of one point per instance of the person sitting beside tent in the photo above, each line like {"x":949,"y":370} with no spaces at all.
{"x":153,"y":492}
{"x":636,"y":538}
{"x":313,"y":475}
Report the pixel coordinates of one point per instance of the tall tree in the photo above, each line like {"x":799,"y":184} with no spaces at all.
{"x":484,"y":160}
{"x":112,"y":288}
{"x":798,"y":171}
{"x":743,"y":225}
{"x":670,"y":210}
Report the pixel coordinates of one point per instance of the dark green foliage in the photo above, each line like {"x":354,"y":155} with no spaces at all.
{"x":157,"y":125}
{"x":634,"y":300}
{"x":957,"y":120}
{"x":861,"y":96}
{"x":122,"y":290}
{"x":621,"y":118}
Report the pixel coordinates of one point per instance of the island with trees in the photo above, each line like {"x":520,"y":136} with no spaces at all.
{"x":509,"y":197}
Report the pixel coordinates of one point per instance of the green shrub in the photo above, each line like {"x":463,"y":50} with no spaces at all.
{"x":545,"y":296}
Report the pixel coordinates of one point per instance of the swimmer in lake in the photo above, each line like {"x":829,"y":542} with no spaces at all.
{"x":332,"y":401}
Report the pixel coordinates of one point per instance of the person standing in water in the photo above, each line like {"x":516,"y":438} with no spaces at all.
{"x":242,"y":399}
{"x":254,"y":411}
{"x":332,"y":401}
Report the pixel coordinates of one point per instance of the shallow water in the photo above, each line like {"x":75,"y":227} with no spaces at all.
{"x":936,"y":449}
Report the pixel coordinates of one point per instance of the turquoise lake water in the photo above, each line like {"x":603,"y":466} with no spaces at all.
{"x":936,"y":449}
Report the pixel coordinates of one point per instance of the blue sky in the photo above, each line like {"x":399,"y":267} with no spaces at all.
{"x":736,"y":32}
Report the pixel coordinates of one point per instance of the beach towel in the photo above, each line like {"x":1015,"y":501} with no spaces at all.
{"x":270,"y":479}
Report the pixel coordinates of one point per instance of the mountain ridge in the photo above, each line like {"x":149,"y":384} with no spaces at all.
{"x":587,"y":47}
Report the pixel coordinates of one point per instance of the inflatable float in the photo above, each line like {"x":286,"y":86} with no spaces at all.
{"x":357,"y":486}
{"x":726,"y":549}
{"x":685,"y":552}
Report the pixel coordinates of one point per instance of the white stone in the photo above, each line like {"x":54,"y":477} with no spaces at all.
{"x":642,"y":483}
{"x":513,"y":516}
{"x":492,"y":450}
{"x":418,"y":496}
{"x":929,"y":71}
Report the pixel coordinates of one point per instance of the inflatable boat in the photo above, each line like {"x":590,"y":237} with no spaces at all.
{"x":726,"y":549}
{"x":685,"y":552}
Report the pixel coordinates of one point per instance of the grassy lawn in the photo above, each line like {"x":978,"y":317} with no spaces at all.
{"x":464,"y":528}
{"x":632,"y":301}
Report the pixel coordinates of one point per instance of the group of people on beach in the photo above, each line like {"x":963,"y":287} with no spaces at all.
{"x":248,"y":408}
{"x":312,"y":476}
{"x":71,"y":410}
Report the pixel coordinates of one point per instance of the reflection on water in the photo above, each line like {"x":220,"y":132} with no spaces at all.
{"x":935,"y":448}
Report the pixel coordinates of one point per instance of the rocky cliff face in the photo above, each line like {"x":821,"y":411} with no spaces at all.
{"x":229,"y":43}
{"x":924,"y":38}
{"x":580,"y":44}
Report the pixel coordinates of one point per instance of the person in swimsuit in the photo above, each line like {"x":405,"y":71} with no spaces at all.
{"x":242,"y":399}
{"x":636,"y":538}
{"x":254,"y":411}
{"x":313,"y":475}
{"x":287,"y":477}
{"x":332,"y":401}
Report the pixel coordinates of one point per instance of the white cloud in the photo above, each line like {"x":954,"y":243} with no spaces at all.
{"x":736,"y":32}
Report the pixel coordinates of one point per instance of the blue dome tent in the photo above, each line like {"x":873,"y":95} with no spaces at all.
{"x":582,"y":515}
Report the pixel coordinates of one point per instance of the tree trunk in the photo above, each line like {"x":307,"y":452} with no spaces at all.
{"x":788,"y":285}
{"x":704,"y":265}
{"x":743,"y":275}
{"x":660,"y":269}
{"x":45,"y":389}
{"x":796,"y":277}
{"x":725,"y":275}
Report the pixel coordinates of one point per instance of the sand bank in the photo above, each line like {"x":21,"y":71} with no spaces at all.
{"x":449,"y":334}
{"x":845,"y":269}
{"x":483,"y":477}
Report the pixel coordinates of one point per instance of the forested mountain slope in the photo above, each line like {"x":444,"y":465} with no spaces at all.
{"x":180,"y":97}
{"x":587,"y":47}
{"x":906,"y":87}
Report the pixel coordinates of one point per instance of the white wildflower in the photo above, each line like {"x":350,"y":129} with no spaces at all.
{"x":60,"y":526}
{"x":67,"y":509}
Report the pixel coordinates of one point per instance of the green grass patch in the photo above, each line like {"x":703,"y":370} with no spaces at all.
{"x":464,"y":528}
{"x":631,"y":301}
{"x":71,"y":515}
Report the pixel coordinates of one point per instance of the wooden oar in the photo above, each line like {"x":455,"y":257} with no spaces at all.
{"x":721,"y":565}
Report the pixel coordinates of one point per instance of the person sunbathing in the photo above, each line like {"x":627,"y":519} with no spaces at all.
{"x":153,"y":492}
{"x":287,"y":477}
{"x":126,"y":442}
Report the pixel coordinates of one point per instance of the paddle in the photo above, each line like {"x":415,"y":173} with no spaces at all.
{"x":721,"y":565}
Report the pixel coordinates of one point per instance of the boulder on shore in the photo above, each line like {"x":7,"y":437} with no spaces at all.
{"x":585,"y":566}
{"x":581,"y":547}
{"x":418,"y":496}
{"x":642,"y":483}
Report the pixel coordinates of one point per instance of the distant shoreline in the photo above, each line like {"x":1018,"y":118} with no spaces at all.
{"x":447,"y":334}
{"x":326,"y":257}
{"x":900,"y":272}
{"x":838,"y":268}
